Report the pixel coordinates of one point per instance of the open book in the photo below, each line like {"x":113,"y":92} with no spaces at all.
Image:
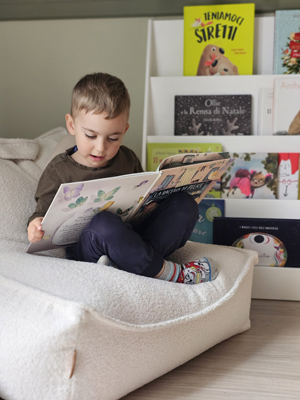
{"x":132,"y":197}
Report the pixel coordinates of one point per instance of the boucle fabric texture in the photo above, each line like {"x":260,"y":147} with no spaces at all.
{"x":75,"y":330}
{"x":21,"y":164}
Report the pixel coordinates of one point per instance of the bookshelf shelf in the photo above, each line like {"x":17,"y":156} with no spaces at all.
{"x":164,"y":80}
{"x":248,"y":144}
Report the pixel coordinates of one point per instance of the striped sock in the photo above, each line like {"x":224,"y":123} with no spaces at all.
{"x":171,"y":271}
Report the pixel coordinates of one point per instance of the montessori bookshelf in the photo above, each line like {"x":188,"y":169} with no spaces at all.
{"x":164,"y":80}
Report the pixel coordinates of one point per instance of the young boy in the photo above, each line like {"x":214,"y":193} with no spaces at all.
{"x":99,"y":120}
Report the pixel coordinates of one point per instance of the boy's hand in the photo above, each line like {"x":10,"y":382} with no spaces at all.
{"x":34,"y":230}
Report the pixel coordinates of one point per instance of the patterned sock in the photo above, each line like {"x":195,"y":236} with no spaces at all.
{"x":193,"y":272}
{"x":197,"y":271}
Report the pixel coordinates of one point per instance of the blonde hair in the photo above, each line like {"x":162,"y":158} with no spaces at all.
{"x":100,"y":92}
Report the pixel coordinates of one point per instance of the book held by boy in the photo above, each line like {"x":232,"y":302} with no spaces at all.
{"x":218,"y":39}
{"x":287,"y":42}
{"x":211,"y":115}
{"x":132,"y":197}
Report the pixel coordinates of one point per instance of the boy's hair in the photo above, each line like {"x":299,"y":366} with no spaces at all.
{"x":100,"y":92}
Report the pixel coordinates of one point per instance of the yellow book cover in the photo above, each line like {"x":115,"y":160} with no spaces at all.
{"x":218,"y":39}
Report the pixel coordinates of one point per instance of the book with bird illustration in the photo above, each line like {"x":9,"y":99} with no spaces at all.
{"x":251,"y":176}
{"x":132,"y":196}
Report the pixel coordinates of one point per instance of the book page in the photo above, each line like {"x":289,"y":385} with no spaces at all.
{"x":196,"y":179}
{"x":76,"y":203}
{"x":178,"y":160}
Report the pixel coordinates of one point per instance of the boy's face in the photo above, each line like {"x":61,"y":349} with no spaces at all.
{"x":97,"y":139}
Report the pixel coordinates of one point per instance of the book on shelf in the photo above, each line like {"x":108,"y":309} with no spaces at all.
{"x":157,"y":152}
{"x":275,"y":240}
{"x":218,"y":39}
{"x":286,"y":115}
{"x":265,"y":121}
{"x":215,"y":191}
{"x":288,"y":176}
{"x":251,"y":176}
{"x":287,"y":42}
{"x":132,"y":196}
{"x":208,"y":210}
{"x":211,"y":115}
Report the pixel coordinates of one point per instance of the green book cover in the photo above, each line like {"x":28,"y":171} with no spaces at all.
{"x":157,"y":152}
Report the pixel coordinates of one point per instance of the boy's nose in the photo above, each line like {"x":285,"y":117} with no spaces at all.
{"x":100,"y":145}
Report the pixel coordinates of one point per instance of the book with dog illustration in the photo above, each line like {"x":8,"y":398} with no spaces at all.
{"x":251,"y":176}
{"x":286,"y":115}
{"x":287,"y":42}
{"x":157,"y":152}
{"x":218,"y":39}
{"x":275,"y":240}
{"x":213,"y":115}
{"x":132,"y":196}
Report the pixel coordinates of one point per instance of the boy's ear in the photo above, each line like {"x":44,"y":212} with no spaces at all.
{"x":70,"y":124}
{"x":126,"y":129}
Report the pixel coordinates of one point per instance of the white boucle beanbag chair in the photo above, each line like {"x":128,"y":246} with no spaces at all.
{"x":74,"y":330}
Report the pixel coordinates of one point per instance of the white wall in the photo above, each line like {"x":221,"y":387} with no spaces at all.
{"x":40,"y":62}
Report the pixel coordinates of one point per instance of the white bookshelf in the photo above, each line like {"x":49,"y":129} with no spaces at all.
{"x":164,"y":80}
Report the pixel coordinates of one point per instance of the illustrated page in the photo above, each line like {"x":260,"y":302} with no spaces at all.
{"x":194,"y":178}
{"x":76,"y":203}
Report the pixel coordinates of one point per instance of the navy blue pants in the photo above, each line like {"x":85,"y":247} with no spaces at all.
{"x":142,"y":248}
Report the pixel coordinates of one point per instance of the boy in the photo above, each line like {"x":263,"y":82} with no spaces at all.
{"x":99,"y":120}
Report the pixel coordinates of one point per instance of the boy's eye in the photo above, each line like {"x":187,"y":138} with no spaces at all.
{"x":89,"y":136}
{"x":113,"y":139}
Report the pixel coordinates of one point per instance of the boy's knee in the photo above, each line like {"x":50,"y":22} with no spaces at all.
{"x":185,"y":207}
{"x":103,"y":222}
{"x":186,"y":201}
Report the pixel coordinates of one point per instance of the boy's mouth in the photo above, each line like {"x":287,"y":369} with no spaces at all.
{"x":97,"y":158}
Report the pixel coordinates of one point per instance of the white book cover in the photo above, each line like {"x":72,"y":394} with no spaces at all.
{"x":263,"y":45}
{"x":265,"y":122}
{"x":286,"y":116}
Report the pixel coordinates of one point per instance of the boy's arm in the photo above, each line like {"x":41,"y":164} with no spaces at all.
{"x":47,"y":187}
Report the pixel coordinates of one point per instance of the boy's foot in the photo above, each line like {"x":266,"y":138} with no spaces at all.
{"x":197,"y":271}
{"x":193,"y":272}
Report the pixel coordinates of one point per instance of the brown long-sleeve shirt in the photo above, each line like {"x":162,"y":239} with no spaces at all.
{"x":63,"y":169}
